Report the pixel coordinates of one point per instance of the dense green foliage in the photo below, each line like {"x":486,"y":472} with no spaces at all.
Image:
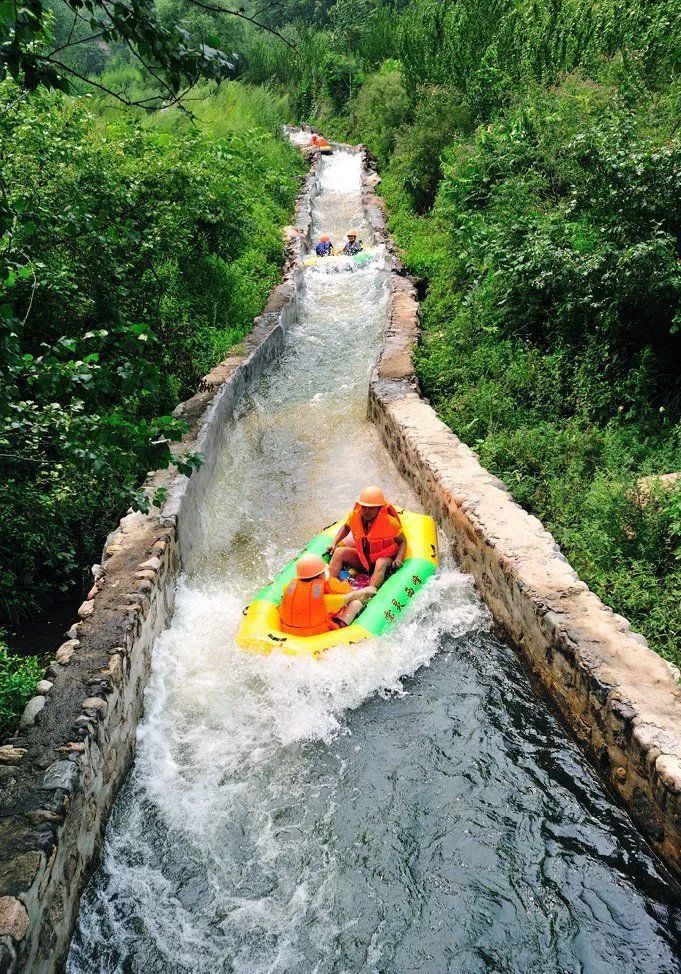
{"x":133,"y":256}
{"x":18,"y":677}
{"x":550,"y":337}
{"x":33,"y":56}
{"x":532,"y":167}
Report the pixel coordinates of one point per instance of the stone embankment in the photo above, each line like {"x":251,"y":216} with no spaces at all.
{"x":60,"y":773}
{"x":620,"y":699}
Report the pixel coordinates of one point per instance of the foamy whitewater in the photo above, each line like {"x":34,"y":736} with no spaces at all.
{"x":400,"y":805}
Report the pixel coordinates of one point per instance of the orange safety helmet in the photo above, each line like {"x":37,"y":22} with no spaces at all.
{"x":325,"y":239}
{"x":352,"y":233}
{"x":371,"y":497}
{"x":309,"y":566}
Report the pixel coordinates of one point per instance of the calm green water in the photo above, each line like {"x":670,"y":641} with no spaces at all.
{"x":403,"y":805}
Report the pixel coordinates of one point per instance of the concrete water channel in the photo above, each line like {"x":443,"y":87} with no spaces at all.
{"x":407,"y":805}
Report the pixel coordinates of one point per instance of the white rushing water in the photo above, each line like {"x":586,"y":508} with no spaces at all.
{"x":270,"y":826}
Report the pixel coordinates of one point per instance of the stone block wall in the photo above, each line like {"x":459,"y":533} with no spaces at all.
{"x":60,"y":773}
{"x":619,"y":698}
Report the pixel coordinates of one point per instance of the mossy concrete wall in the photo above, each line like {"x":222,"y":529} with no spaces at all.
{"x":61,"y":772}
{"x":620,"y":699}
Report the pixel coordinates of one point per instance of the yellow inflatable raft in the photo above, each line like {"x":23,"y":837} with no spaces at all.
{"x":260,"y":629}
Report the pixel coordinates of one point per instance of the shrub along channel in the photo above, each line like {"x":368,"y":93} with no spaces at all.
{"x":551,"y":330}
{"x":134,"y":253}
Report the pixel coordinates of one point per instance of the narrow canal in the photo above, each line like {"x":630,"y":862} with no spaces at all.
{"x":395,"y":807}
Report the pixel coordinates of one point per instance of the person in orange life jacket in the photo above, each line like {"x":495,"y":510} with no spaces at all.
{"x":324,"y":247}
{"x":352,"y":244}
{"x":378,"y":540}
{"x":313,"y":604}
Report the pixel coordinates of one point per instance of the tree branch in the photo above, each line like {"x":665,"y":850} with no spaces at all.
{"x":266,"y":7}
{"x":70,"y":43}
{"x":47,"y":59}
{"x":73,"y":27}
{"x":168,"y":54}
{"x":215,"y":9}
{"x":149,"y":104}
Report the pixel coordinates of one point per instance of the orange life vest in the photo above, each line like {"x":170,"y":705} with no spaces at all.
{"x":380,"y":540}
{"x":303,"y":610}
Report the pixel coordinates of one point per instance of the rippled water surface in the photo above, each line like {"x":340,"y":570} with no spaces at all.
{"x":403,"y":805}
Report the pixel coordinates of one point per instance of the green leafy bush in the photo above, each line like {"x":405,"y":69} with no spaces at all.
{"x":18,"y":677}
{"x":132,"y":256}
{"x":380,"y":108}
{"x":342,"y":77}
{"x":550,"y":328}
{"x":439,"y":116}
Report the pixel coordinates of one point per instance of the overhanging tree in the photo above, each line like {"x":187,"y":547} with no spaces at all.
{"x":170,"y":54}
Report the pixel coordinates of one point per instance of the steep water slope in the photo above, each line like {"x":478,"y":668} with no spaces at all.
{"x":398,"y":806}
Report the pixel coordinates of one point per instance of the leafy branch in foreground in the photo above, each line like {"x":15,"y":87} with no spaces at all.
{"x":170,"y":54}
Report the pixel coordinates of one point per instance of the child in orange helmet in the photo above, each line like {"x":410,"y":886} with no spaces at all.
{"x":325,"y":248}
{"x":378,"y":540}
{"x":313,"y":604}
{"x":352,"y":245}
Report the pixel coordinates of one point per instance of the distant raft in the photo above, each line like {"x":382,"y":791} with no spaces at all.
{"x":260,"y":628}
{"x":342,"y":262}
{"x":320,"y":143}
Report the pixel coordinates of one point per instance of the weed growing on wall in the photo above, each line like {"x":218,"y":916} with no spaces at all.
{"x":18,"y":678}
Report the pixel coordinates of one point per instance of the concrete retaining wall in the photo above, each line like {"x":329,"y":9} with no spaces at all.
{"x":621,"y":700}
{"x":59,"y":775}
